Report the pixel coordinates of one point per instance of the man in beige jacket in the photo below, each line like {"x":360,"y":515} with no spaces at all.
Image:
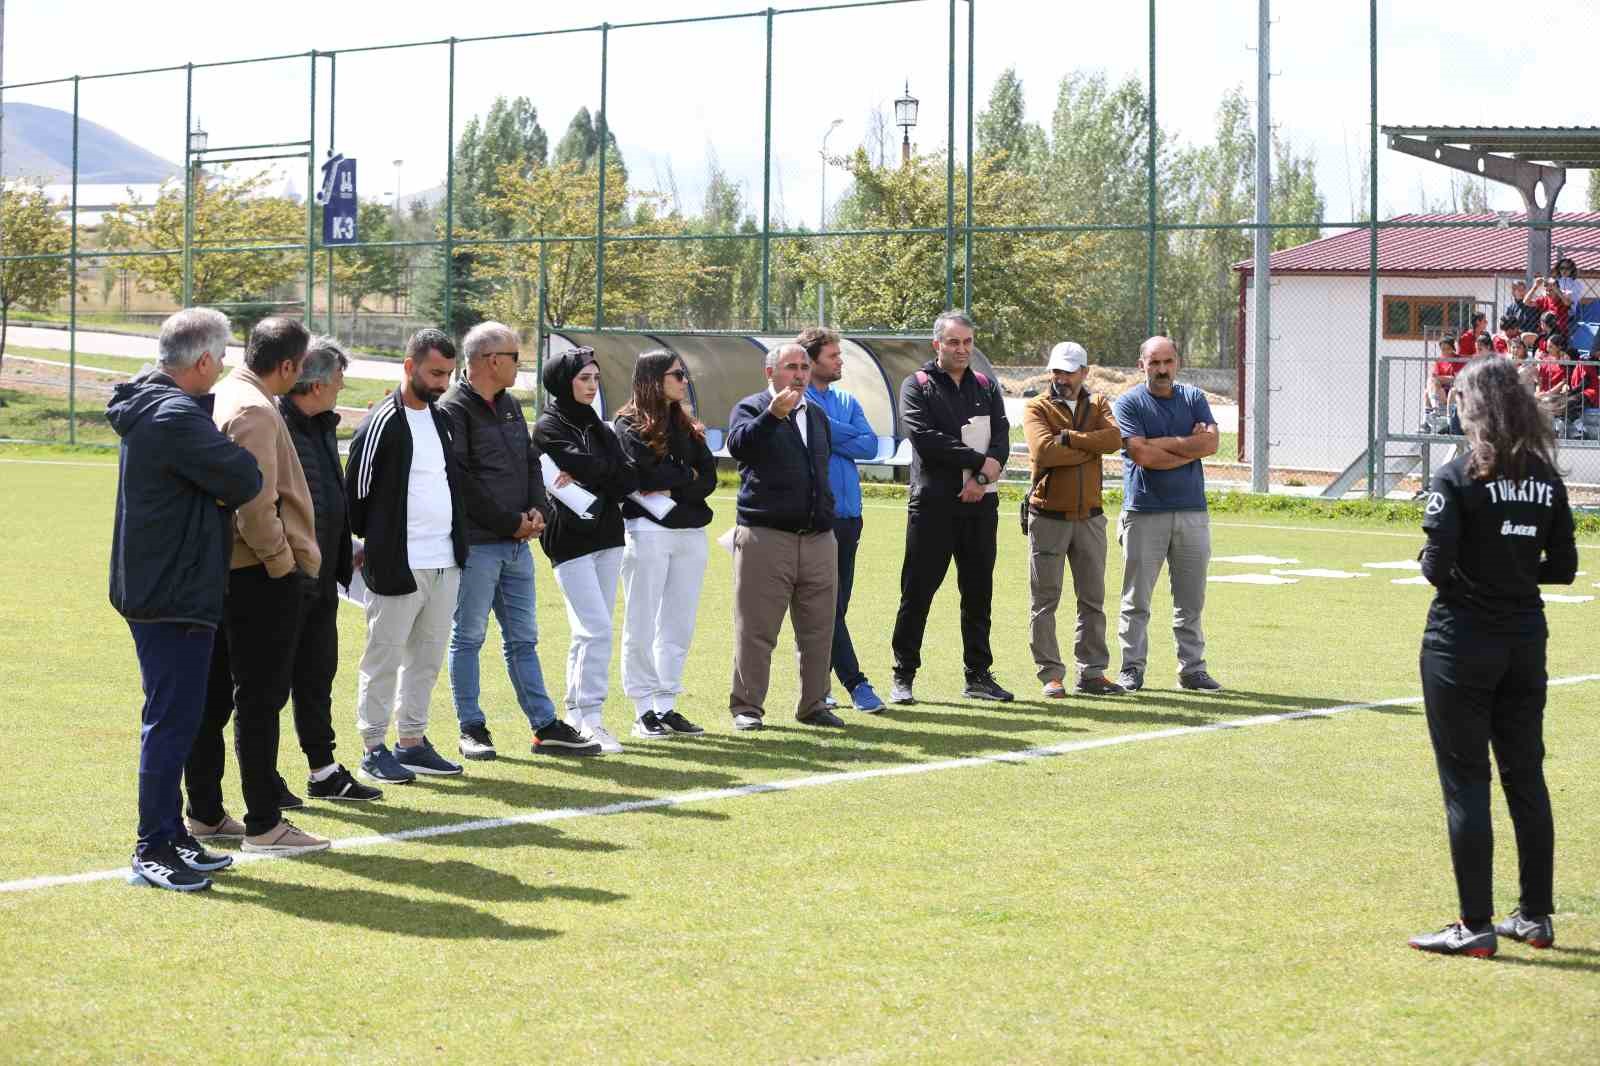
{"x":274,"y":556}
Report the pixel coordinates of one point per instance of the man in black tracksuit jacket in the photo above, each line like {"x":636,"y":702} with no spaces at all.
{"x":952,"y":512}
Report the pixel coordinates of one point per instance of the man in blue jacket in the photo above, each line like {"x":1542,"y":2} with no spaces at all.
{"x":178,"y":481}
{"x":852,"y":440}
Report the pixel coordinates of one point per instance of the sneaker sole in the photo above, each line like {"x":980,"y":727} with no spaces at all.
{"x":581,"y":751}
{"x":222,"y":863}
{"x":217,"y":836}
{"x":684,"y":732}
{"x":482,"y":756}
{"x":356,"y":799}
{"x":751,"y":728}
{"x":201,"y":887}
{"x":430,"y":771}
{"x":285,"y":849}
{"x":668,"y":735}
{"x":871,"y":710}
{"x":971,"y":695}
{"x":903,"y":701}
{"x":1471,"y":953}
{"x":287,"y":807}
{"x":370,"y":776}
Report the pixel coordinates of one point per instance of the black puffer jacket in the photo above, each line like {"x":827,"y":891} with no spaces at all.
{"x":316,"y":444}
{"x":501,"y":480}
{"x":580,"y":444}
{"x":178,"y":481}
{"x":688,"y":471}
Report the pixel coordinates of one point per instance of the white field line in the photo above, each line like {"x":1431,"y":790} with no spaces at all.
{"x":679,"y":799}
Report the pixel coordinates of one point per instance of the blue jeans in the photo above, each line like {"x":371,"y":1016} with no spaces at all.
{"x":498,"y":575}
{"x":174,"y":659}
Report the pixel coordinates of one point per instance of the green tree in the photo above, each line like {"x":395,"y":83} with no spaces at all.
{"x":31,"y":226}
{"x":1031,"y":286}
{"x":1003,"y":128}
{"x":726,"y":294}
{"x":507,"y":136}
{"x":226,"y":212}
{"x":362,"y":273}
{"x":1294,"y":196}
{"x":581,"y":145}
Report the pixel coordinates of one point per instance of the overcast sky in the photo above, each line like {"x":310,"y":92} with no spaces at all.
{"x":680,"y":94}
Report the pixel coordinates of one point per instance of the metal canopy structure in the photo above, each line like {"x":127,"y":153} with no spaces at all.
{"x":1532,"y":159}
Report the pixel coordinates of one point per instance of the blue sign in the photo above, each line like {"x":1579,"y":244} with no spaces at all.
{"x":338,"y":199}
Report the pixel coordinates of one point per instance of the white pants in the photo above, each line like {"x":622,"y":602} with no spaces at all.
{"x":406,"y":640}
{"x":662,"y":571}
{"x":589,"y":583}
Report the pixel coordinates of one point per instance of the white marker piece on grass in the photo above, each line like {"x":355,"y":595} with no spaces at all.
{"x":1253,"y":579}
{"x":1255,"y":560}
{"x":1418,"y":580}
{"x":1402,"y":564}
{"x":1314,"y":572}
{"x":1557,"y":597}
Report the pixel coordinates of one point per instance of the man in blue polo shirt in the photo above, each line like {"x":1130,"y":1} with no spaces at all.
{"x":853,"y":440}
{"x":1167,"y":428}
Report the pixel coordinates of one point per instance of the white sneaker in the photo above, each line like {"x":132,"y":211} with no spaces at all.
{"x":602,"y":736}
{"x":900,"y":692}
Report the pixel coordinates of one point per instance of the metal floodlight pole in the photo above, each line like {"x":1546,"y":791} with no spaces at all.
{"x":1372,"y":251}
{"x":333,"y":84}
{"x":311,"y":199}
{"x":450,"y":196}
{"x":541,"y":338}
{"x":1260,"y":476}
{"x":600,"y":201}
{"x":766,"y":193}
{"x":1150,"y":187}
{"x":822,"y":219}
{"x":72,"y":292}
{"x":966,"y":271}
{"x":188,"y":185}
{"x":950,"y":171}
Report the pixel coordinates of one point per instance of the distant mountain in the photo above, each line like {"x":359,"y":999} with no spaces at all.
{"x":38,"y":145}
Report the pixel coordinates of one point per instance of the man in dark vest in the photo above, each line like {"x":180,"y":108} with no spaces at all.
{"x":785,"y":558}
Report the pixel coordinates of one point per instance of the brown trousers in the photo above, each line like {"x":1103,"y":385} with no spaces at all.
{"x":776,"y":573}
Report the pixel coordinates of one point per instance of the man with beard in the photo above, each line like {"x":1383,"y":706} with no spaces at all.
{"x":402,"y":489}
{"x":1167,"y":428}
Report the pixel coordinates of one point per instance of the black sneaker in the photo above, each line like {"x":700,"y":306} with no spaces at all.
{"x":648,"y":727}
{"x":198,"y":858}
{"x":340,"y":785}
{"x":1457,"y":939}
{"x":476,"y":742}
{"x":424,"y":758}
{"x":1534,"y":932}
{"x":163,"y":867}
{"x":984,"y":687}
{"x":679,"y":724}
{"x":1199,"y":681}
{"x":288,"y":801}
{"x":559,"y":738}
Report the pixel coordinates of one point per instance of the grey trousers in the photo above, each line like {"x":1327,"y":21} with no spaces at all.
{"x":406,"y":641}
{"x":1181,"y":540}
{"x":777,"y":573}
{"x":1054,"y":544}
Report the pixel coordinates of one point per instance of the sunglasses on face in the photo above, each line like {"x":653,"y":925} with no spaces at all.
{"x":679,"y":373}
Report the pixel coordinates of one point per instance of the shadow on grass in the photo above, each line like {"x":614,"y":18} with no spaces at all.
{"x":453,"y":877}
{"x":382,"y":912}
{"x":1557,"y":958}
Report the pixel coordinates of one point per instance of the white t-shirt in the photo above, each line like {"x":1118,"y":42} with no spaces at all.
{"x":428,"y":513}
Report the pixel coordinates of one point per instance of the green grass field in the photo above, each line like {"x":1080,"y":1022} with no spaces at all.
{"x":1239,"y":894}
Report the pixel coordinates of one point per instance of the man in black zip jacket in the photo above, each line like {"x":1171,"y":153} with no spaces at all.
{"x":313,"y":424}
{"x":178,"y":482}
{"x":954,"y":512}
{"x":502,"y":491}
{"x":402,"y":486}
{"x":785,"y":559}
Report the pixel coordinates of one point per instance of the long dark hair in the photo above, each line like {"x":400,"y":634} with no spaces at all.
{"x":654,"y":416}
{"x":1504,"y":427}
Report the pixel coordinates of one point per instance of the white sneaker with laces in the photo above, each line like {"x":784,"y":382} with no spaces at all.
{"x":602,"y":736}
{"x":900,"y":692}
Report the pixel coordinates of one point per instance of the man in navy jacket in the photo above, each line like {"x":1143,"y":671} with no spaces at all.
{"x":178,"y":481}
{"x":785,"y":560}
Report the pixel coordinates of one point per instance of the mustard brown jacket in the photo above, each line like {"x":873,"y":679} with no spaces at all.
{"x":277,"y":528}
{"x":1065,"y":446}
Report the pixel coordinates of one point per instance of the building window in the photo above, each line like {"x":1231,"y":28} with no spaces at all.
{"x":1419,"y":317}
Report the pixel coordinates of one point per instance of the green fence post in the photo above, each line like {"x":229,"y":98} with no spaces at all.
{"x":538,"y":353}
{"x":950,"y":172}
{"x":333,"y":83}
{"x":766,"y":195}
{"x":72,"y":280}
{"x":311,"y":200}
{"x":1150,"y":191}
{"x":1372,"y":253}
{"x":972,"y":25}
{"x":600,"y":201}
{"x":450,"y":198}
{"x":188,"y":186}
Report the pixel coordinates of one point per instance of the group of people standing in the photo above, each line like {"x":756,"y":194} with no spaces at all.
{"x":237,"y":524}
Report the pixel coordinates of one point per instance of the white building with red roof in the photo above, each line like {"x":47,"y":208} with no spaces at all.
{"x":1431,"y":278}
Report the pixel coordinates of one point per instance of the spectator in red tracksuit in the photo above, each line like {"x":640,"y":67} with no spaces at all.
{"x":1467,"y":343}
{"x":1584,"y":406}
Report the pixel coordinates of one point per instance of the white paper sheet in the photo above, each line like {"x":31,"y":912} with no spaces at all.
{"x":975,"y":435}
{"x":356,"y":592}
{"x":658,"y":506}
{"x":577,"y":498}
{"x":725,"y":542}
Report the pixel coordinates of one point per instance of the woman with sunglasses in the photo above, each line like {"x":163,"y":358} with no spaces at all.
{"x":585,"y":549}
{"x":664,"y":561}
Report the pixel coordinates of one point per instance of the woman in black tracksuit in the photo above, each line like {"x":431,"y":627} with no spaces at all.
{"x":1498,"y":526}
{"x":586,"y":549}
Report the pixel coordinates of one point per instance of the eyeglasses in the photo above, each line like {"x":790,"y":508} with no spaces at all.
{"x":679,"y":373}
{"x":515,"y":357}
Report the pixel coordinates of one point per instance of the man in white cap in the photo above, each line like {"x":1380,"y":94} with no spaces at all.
{"x":1068,"y":430}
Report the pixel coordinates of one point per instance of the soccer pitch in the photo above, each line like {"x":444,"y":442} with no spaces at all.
{"x":1180,"y":876}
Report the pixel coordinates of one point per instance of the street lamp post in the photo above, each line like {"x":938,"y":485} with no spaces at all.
{"x":905,"y":116}
{"x":397,"y":164}
{"x":194,"y":151}
{"x":822,"y":219}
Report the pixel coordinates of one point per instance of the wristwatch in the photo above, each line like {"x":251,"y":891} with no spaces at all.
{"x":981,"y":478}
